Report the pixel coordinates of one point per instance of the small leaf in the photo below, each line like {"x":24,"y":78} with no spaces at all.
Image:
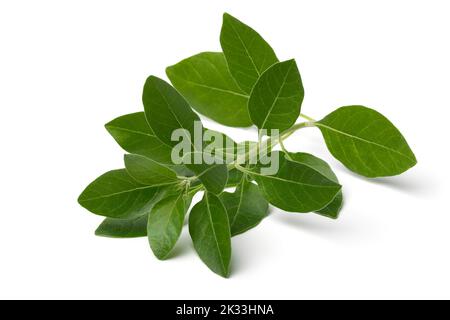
{"x":134,"y":135}
{"x":248,"y":54}
{"x":296,"y":187}
{"x":166,"y":111}
{"x":246,"y":207}
{"x":149,"y":172}
{"x":116,"y":194}
{"x":206,"y":83}
{"x":333,"y":208}
{"x":277,"y":96}
{"x":234,"y":178}
{"x":123,"y":228}
{"x":214,"y":177}
{"x":210,"y":232}
{"x":366,"y":142}
{"x":165,"y":223}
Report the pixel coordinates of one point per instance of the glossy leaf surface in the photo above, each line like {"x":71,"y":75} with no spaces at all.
{"x":366,"y":142}
{"x":248,"y":55}
{"x":210,"y":232}
{"x":206,"y":83}
{"x":276,"y":99}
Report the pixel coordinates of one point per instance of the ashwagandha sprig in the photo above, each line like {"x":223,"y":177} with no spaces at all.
{"x":167,"y":165}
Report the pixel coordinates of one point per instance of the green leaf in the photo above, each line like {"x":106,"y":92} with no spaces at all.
{"x":333,"y":208}
{"x":206,"y":83}
{"x":135,"y":227}
{"x":210,"y":232}
{"x":214,"y":177}
{"x":166,"y":111}
{"x":134,"y":135}
{"x":296,"y":187}
{"x":116,"y":194}
{"x":149,"y":172}
{"x":277,"y":96}
{"x":366,"y":142}
{"x":246,"y":207}
{"x":248,"y":54}
{"x":165,"y":223}
{"x":123,"y":228}
{"x":234,"y":178}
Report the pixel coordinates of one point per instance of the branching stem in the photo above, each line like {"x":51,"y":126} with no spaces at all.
{"x":269,"y":144}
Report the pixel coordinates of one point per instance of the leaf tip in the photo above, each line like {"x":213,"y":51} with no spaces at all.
{"x":169,"y":71}
{"x":413,"y":159}
{"x":226,"y":15}
{"x":159,"y":254}
{"x":108,"y":125}
{"x":81,"y":197}
{"x":151,"y":80}
{"x":80,"y":200}
{"x":226,"y":274}
{"x":291,"y":61}
{"x":160,"y":257}
{"x":98,"y":232}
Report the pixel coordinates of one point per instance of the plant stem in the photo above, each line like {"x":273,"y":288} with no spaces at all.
{"x":306,"y":117}
{"x":285,"y":150}
{"x":270,"y":143}
{"x":195,"y":190}
{"x":192,"y":178}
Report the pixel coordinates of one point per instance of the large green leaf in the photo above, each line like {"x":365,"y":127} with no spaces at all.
{"x":277,"y":96}
{"x":165,"y":223}
{"x":333,"y":208}
{"x":248,"y":54}
{"x":149,"y":172}
{"x":116,"y":194}
{"x":166,"y":111}
{"x":134,"y":135}
{"x":366,"y":142}
{"x":246,"y":207}
{"x":296,"y":187}
{"x":123,"y":228}
{"x":210,"y":232}
{"x":206,"y":83}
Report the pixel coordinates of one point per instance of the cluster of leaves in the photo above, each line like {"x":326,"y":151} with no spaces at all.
{"x":242,"y":86}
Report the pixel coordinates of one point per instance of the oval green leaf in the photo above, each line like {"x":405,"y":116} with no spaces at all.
{"x":210,"y":232}
{"x":277,"y":96}
{"x":234,"y":178}
{"x":149,"y":172}
{"x":166,"y":111}
{"x":246,"y":207}
{"x":366,"y":142}
{"x":123,"y":228}
{"x":116,"y":194}
{"x":334,"y":207}
{"x":248,"y":55}
{"x":134,"y":135}
{"x":206,"y":83}
{"x":214,"y":177}
{"x":165,"y":223}
{"x":296,"y":187}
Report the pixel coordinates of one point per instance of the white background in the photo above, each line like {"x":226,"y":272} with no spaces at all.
{"x":68,"y":67}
